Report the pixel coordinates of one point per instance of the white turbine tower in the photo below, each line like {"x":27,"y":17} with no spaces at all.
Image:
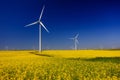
{"x":40,"y":25}
{"x":76,"y":42}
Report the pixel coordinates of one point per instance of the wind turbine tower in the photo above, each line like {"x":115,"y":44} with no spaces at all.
{"x":40,"y":25}
{"x":76,"y":42}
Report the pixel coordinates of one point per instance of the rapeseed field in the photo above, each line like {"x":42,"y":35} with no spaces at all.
{"x":60,"y":65}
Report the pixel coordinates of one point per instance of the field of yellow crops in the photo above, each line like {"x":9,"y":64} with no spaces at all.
{"x":60,"y":65}
{"x":83,"y":53}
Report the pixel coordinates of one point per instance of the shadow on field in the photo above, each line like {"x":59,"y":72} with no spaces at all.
{"x":107,"y":49}
{"x":99,"y":59}
{"x":111,"y":49}
{"x":40,"y":54}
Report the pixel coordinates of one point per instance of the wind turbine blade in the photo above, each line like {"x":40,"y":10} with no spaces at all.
{"x":77,"y":36}
{"x":77,"y":41}
{"x":32,"y":24}
{"x":41,"y":13}
{"x":44,"y":26}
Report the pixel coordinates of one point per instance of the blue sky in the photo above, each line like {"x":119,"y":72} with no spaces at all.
{"x":96,"y":21}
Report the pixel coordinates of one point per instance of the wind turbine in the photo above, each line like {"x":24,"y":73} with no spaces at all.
{"x":76,"y":42}
{"x":40,"y":25}
{"x":6,"y":47}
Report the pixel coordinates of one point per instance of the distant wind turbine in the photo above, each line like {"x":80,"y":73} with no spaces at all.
{"x":6,"y":47}
{"x":40,"y":25}
{"x":72,"y":47}
{"x":76,"y":42}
